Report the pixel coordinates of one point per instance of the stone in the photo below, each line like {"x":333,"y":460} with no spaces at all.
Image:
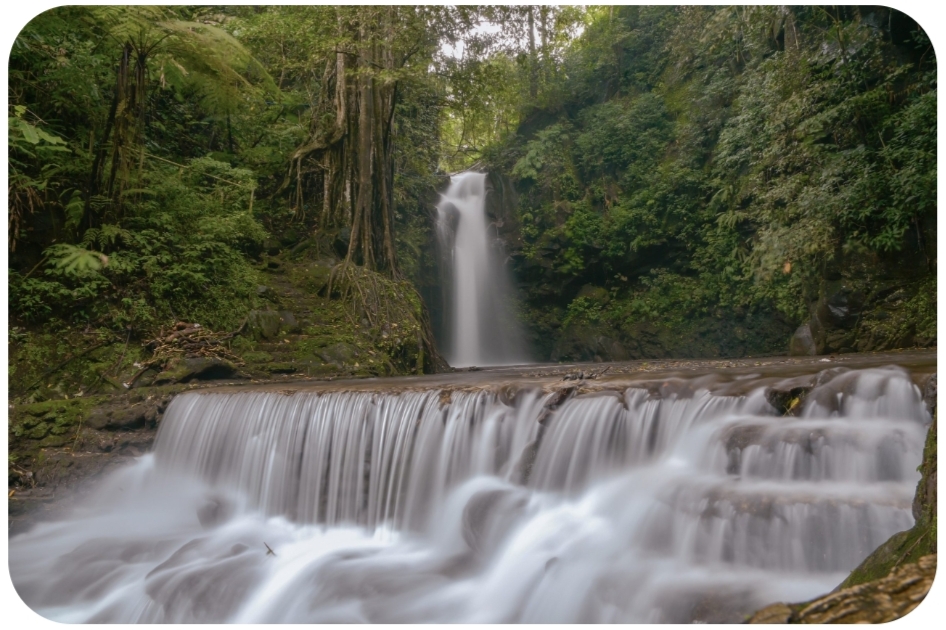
{"x":288,"y":323}
{"x":263,"y":324}
{"x":929,"y":394}
{"x":197,"y":368}
{"x":319,"y":275}
{"x":118,"y":418}
{"x":802,"y":343}
{"x":787,"y":401}
{"x":266,"y":293}
{"x":878,"y":601}
{"x":339,"y":353}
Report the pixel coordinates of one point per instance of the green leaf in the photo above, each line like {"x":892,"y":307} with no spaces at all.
{"x":29,"y":132}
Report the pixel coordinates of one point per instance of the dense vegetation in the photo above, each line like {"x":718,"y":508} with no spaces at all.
{"x":691,"y":180}
{"x":702,"y":180}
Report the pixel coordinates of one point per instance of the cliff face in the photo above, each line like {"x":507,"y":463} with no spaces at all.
{"x":896,"y":577}
{"x":868,"y":303}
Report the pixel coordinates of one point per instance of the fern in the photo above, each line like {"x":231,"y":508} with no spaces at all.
{"x":75,"y":260}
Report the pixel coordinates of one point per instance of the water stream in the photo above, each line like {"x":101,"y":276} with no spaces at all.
{"x":652,"y":502}
{"x":480,"y":329}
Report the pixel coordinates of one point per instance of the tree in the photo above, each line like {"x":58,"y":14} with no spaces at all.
{"x":184,"y":52}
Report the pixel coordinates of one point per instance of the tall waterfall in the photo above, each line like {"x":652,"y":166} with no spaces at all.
{"x":658,"y":502}
{"x":480,"y":327}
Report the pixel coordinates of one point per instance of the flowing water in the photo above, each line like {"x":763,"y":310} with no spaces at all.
{"x":480,"y":329}
{"x":671,"y":500}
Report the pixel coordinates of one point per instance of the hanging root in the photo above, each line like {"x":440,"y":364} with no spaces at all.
{"x":394,"y":313}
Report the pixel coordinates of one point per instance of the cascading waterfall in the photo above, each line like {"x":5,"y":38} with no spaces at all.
{"x":652,"y":504}
{"x":480,"y":330}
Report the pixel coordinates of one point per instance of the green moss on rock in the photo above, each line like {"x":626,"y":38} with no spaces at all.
{"x":50,"y":423}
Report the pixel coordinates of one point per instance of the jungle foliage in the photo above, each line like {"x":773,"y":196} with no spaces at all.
{"x":674,"y":164}
{"x":685,"y":163}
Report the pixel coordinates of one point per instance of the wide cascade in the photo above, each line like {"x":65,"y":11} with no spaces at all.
{"x":479,"y":327}
{"x":664,"y":501}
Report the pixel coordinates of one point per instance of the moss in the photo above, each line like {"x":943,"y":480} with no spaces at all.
{"x":33,"y":353}
{"x":257,"y":356}
{"x":50,"y":423}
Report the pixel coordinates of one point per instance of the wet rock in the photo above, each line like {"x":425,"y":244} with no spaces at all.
{"x":802,"y":343}
{"x":214,"y":512}
{"x":878,"y":601}
{"x":526,"y":461}
{"x":924,"y":501}
{"x":929,"y":394}
{"x":776,"y":613}
{"x":197,"y":368}
{"x":787,"y":401}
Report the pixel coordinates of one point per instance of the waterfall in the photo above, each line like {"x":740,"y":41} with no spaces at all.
{"x":480,"y":329}
{"x":673,"y":502}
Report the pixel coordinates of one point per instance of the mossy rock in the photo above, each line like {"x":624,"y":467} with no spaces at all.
{"x":312,"y":276}
{"x":288,"y":323}
{"x":263,"y":324}
{"x":338,"y":353}
{"x":197,"y":368}
{"x":257,"y":356}
{"x":50,"y":423}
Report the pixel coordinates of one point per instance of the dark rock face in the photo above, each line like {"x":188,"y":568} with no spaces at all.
{"x":502,"y":204}
{"x":872,"y":303}
{"x":585,"y":344}
{"x":700,"y":338}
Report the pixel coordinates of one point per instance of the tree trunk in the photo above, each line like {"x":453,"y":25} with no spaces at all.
{"x":533,"y":61}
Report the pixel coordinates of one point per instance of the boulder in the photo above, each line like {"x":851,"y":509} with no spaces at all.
{"x":288,"y":323}
{"x":197,"y":368}
{"x":340,"y":353}
{"x":802,"y":343}
{"x":119,"y":418}
{"x":263,"y":324}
